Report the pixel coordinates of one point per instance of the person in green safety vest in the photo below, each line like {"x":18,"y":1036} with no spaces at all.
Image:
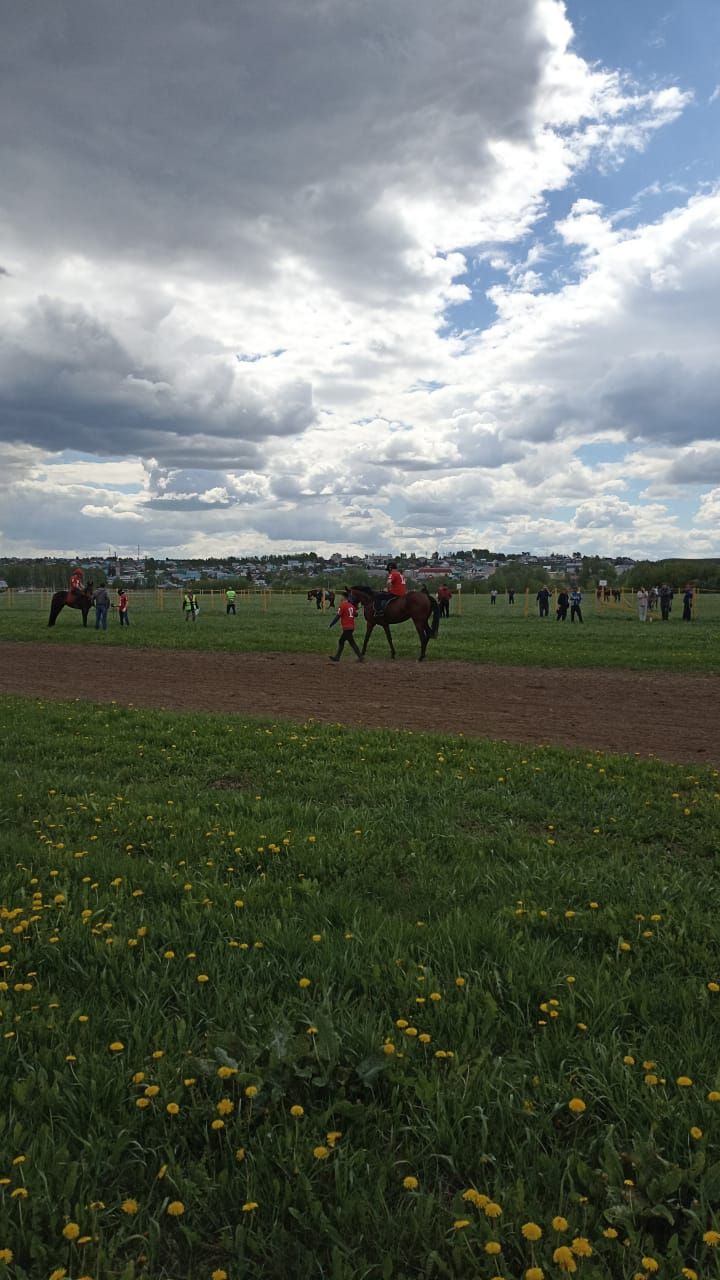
{"x":230,"y":600}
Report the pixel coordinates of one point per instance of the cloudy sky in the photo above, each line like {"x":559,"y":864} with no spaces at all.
{"x":398,"y":275}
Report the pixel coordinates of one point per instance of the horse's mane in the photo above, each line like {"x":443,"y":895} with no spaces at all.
{"x":367,"y":590}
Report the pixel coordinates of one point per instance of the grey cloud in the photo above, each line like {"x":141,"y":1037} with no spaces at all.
{"x":662,"y":398}
{"x":695,"y":466}
{"x":219,"y":134}
{"x":66,"y":382}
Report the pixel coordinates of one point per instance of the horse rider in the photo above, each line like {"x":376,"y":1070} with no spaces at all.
{"x":76,"y":581}
{"x":395,"y":587}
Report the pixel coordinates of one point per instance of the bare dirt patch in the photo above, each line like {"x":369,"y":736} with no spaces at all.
{"x":670,"y":716}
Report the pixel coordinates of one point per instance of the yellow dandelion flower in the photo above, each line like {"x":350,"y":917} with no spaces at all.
{"x":696,"y":1133}
{"x":251,"y":1091}
{"x":563,"y":1258}
{"x":297,"y":1111}
{"x":321,"y":1153}
{"x":610,"y":1233}
{"x":650,"y":1264}
{"x":249,"y":1206}
{"x":388,"y":1048}
{"x":225,"y":1107}
{"x":175,"y":1209}
{"x":217,"y":1124}
{"x":684,"y":1082}
{"x":492,"y":1210}
{"x":476,"y":1198}
{"x":493,"y":1247}
{"x":460,"y":1224}
{"x":410,"y":1183}
{"x":240,"y":1155}
{"x":130,"y":1206}
{"x":531,"y":1231}
{"x":219,"y":1274}
{"x":577,"y":1106}
{"x":116,"y":1046}
{"x":559,"y":1223}
{"x":6,"y":1255}
{"x":534,"y":1273}
{"x":304,"y":983}
{"x":71,"y":1231}
{"x":172,"y":1109}
{"x":711,"y":1238}
{"x":582,"y":1247}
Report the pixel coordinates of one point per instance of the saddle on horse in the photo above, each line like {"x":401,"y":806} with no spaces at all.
{"x":381,"y":600}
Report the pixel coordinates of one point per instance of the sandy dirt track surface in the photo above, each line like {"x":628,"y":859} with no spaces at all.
{"x":670,"y":716}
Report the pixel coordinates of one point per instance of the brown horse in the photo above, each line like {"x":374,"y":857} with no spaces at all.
{"x":418,"y":606}
{"x":73,"y":600}
{"x":320,"y":596}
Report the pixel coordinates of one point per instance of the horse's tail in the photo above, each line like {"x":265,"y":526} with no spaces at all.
{"x":434,"y":627}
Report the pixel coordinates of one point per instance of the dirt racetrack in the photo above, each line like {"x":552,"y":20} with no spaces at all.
{"x":670,"y":716}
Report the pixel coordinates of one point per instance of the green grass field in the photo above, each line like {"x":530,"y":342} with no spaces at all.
{"x":305,"y":1002}
{"x":609,"y":637}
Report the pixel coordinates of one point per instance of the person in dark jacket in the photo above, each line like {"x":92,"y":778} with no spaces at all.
{"x":543,"y":601}
{"x":666,"y":599}
{"x":101,"y":600}
{"x":563,"y":604}
{"x":688,"y":600}
{"x":575,"y":603}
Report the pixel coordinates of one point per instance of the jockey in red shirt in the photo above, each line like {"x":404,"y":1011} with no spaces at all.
{"x":395,"y":583}
{"x":76,"y":580}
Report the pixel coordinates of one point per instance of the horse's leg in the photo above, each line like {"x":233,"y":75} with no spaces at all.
{"x":422,"y":631}
{"x":54,"y":611}
{"x":369,"y":628}
{"x":85,"y":613}
{"x":386,"y":629}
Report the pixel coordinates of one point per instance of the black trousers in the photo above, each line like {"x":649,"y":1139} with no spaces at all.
{"x":230,"y":606}
{"x":575,"y":612}
{"x":348,"y":637}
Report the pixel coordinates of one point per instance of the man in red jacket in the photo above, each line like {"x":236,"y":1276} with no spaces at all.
{"x":346,"y":615}
{"x":76,"y":580}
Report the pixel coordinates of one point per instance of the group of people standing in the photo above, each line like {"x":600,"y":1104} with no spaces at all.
{"x":647,"y":600}
{"x":101,"y":601}
{"x":566,"y":600}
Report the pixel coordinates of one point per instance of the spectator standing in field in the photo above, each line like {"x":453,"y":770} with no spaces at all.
{"x":666,"y":599}
{"x":101,"y":600}
{"x":511,"y":595}
{"x":493,"y":595}
{"x":444,"y":596}
{"x":543,"y":601}
{"x":563,"y":604}
{"x":642,"y":604}
{"x":688,"y":599}
{"x":189,"y":606}
{"x":123,"y":607}
{"x":575,"y":603}
{"x":230,"y":600}
{"x":346,"y":615}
